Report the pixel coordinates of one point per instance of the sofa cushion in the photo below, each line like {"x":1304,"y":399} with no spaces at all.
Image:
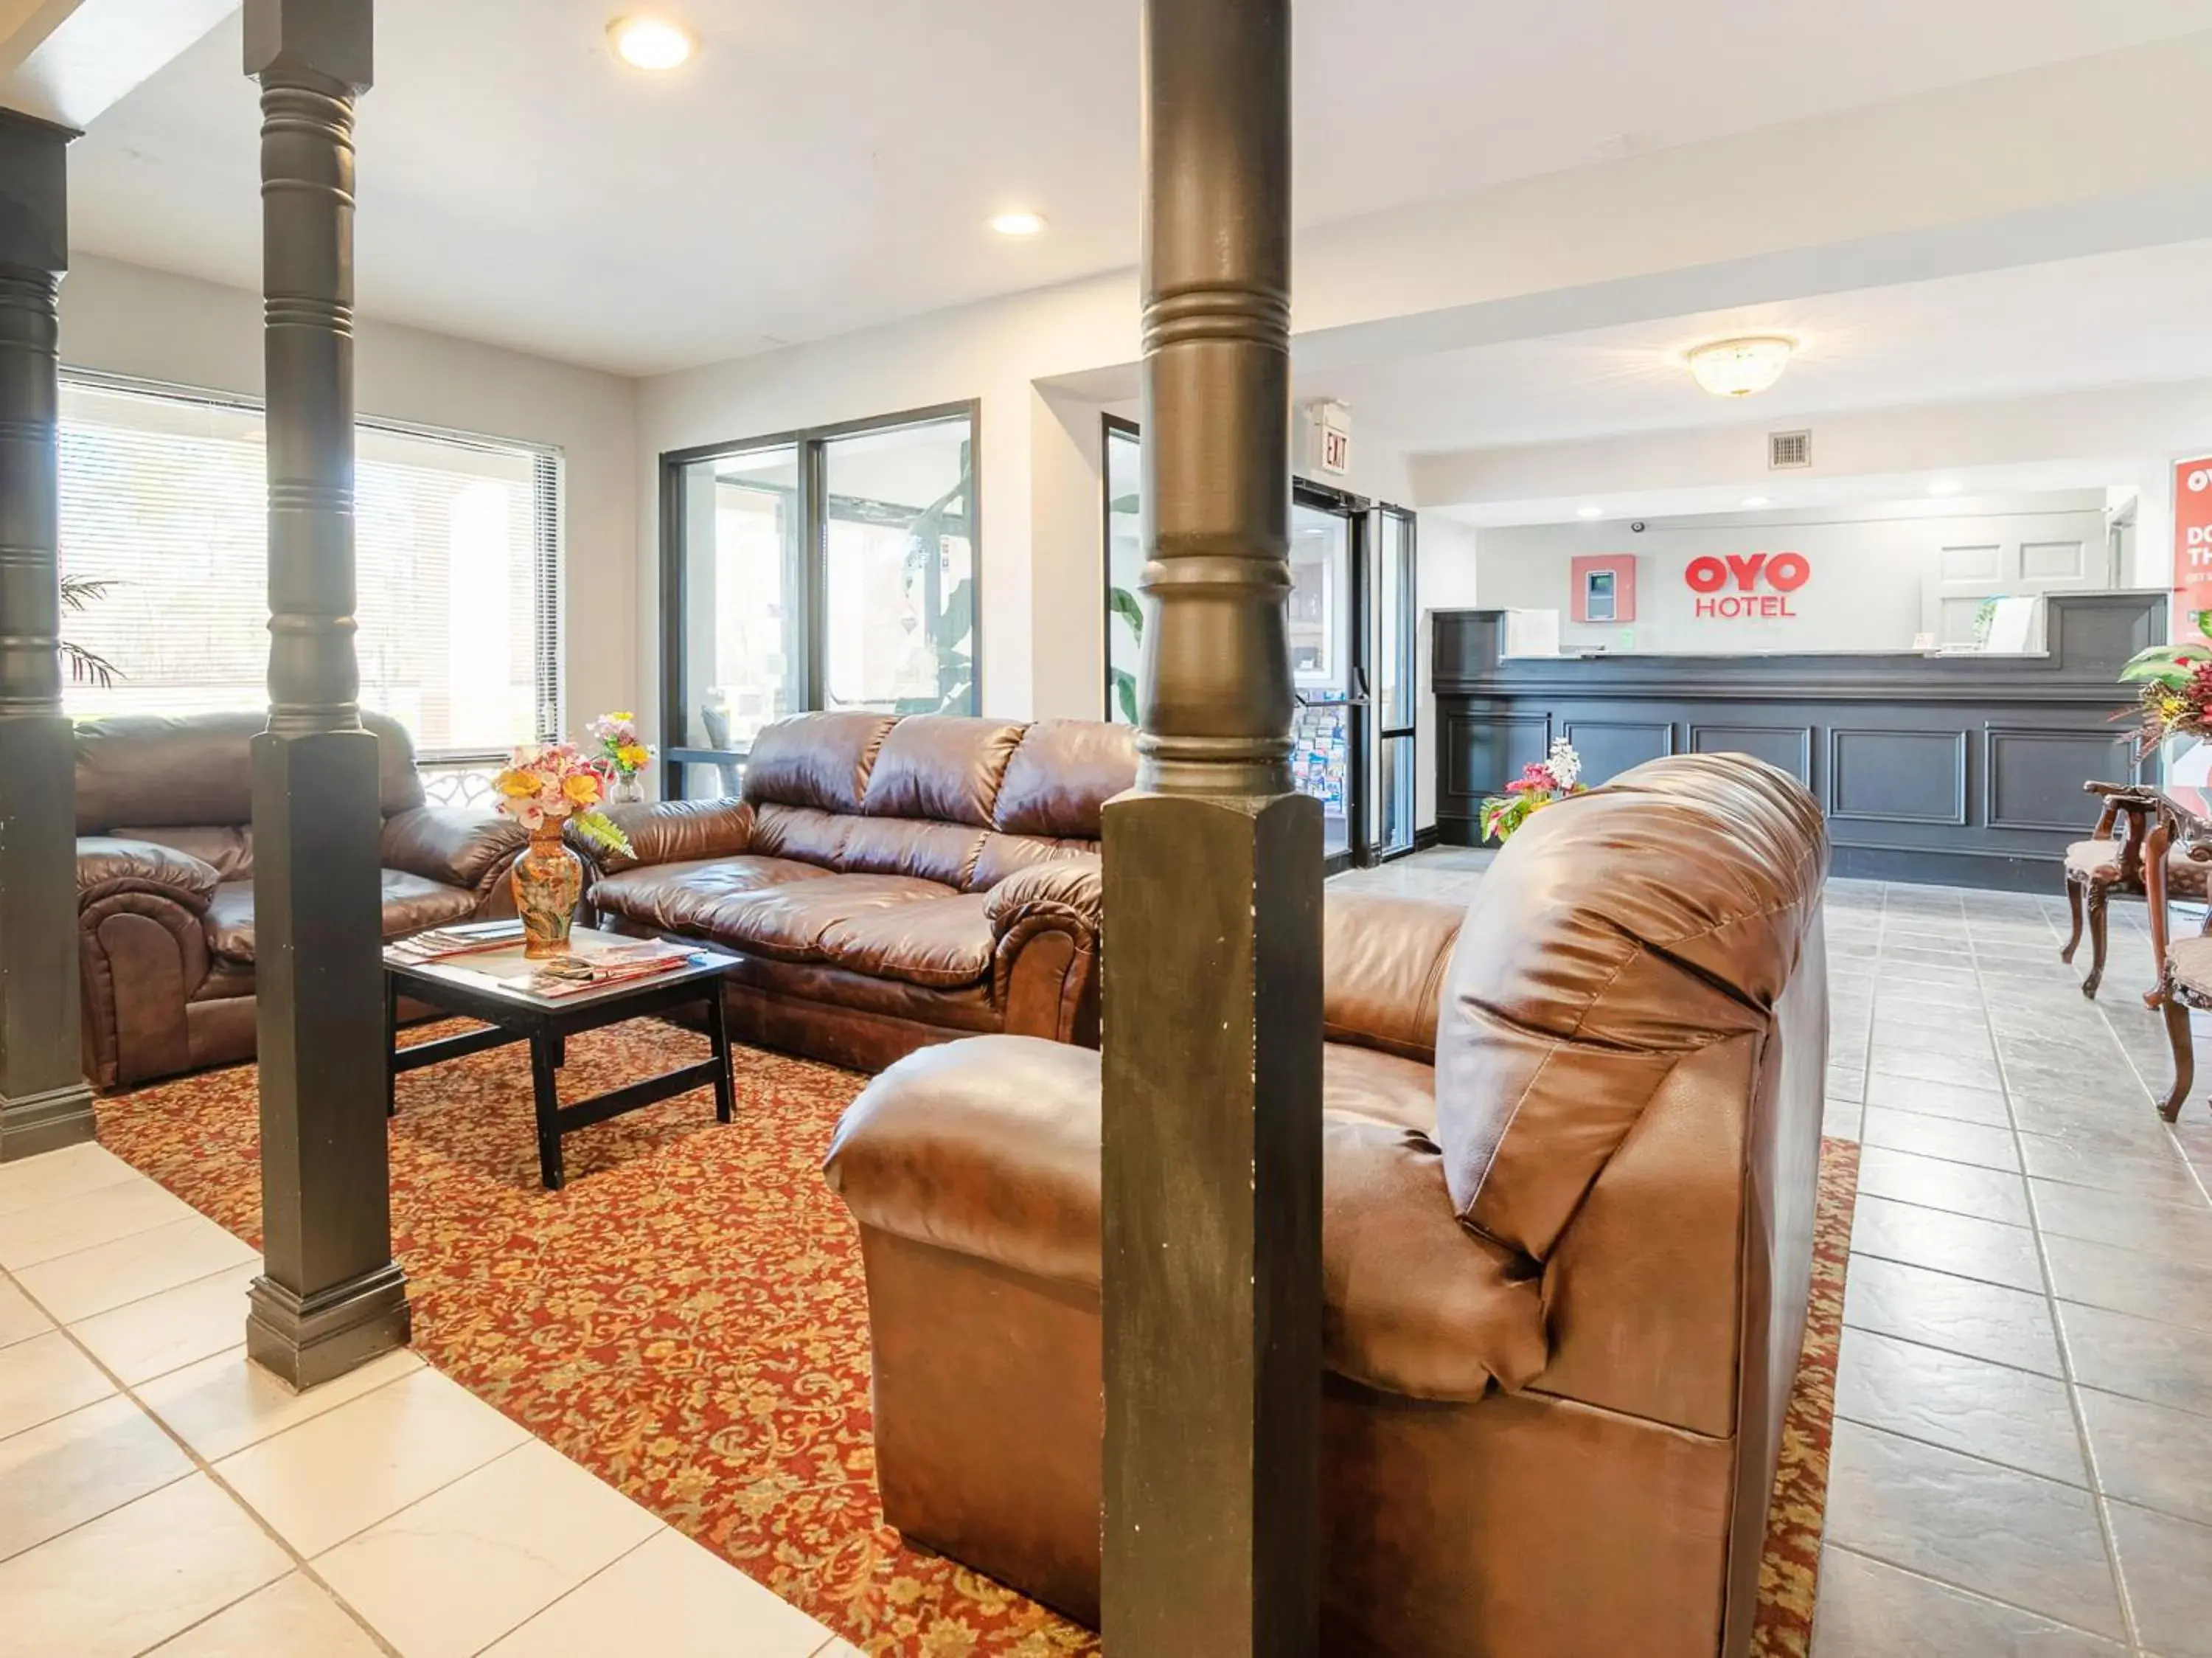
{"x":411,"y":905}
{"x":788,"y":921}
{"x":1383,"y":966}
{"x":943,"y":766}
{"x":226,"y":848}
{"x":682,"y":898}
{"x":109,"y":864}
{"x":1616,"y":935}
{"x":944,"y":852}
{"x":1363,"y":1086}
{"x":821,"y":760}
{"x":1061,"y":776}
{"x":198,"y":769}
{"x":943,"y":944}
{"x":1001,"y":856}
{"x":805,"y":832}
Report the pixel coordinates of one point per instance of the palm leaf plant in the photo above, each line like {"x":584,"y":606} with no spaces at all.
{"x":2176,"y":699}
{"x":86,"y":666}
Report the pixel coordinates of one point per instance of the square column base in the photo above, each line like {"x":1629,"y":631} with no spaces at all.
{"x":305,"y":1343}
{"x":46,"y":1122}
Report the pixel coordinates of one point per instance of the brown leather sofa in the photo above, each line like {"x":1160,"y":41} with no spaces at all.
{"x":888,"y":883}
{"x":1565,"y":1270}
{"x":165,"y":883}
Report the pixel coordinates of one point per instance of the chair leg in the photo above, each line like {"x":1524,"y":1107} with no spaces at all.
{"x":2074,"y":908}
{"x":2184,"y":1057}
{"x":2097,"y":901}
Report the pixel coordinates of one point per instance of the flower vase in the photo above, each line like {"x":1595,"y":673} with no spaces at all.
{"x":2187,"y":761}
{"x":548,"y":879}
{"x":627,"y":789}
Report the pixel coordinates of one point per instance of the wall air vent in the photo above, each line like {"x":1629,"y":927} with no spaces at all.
{"x":1787,"y":451}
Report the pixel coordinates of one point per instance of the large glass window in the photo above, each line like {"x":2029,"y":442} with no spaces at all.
{"x":832,"y":568}
{"x":1125,"y":565}
{"x":164,"y":535}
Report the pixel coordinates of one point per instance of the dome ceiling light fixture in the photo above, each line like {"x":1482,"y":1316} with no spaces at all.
{"x":1741,"y":367}
{"x":653,"y":43}
{"x":1020,"y":223}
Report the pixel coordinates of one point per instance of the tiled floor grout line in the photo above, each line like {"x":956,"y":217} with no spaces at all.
{"x":200,"y":1464}
{"x":2084,"y":1443}
{"x":1961,"y":1589}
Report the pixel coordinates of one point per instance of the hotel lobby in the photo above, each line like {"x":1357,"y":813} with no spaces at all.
{"x":1193,"y":827}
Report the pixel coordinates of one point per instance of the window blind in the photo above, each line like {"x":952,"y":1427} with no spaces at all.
{"x":458,"y":566}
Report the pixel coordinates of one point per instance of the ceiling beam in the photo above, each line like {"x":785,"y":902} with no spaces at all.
{"x":70,"y":61}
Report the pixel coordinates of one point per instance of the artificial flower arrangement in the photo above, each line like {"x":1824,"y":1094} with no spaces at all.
{"x":546,"y":785}
{"x":2177,"y":688}
{"x":1553,"y":778}
{"x":621,"y":755}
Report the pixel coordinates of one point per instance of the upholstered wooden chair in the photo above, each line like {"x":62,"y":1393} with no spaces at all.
{"x":2186,"y":984}
{"x":2112,"y":861}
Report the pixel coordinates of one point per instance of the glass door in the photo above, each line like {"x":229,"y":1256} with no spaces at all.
{"x":1327,"y":628}
{"x":1393,"y":755}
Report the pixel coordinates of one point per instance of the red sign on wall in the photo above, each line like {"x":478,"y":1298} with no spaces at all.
{"x":2192,"y":545}
{"x":1729,"y":588}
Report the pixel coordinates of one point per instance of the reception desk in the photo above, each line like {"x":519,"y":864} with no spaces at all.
{"x":1961,"y":768}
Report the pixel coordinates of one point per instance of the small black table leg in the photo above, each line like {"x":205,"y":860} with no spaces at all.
{"x":560,"y":1050}
{"x":545,"y":1088}
{"x":717,"y":1030}
{"x":391,"y":1045}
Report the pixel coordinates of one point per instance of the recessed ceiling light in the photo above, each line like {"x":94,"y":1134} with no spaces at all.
{"x":651,"y":42}
{"x":1944,"y":486}
{"x":1756,"y":501}
{"x":1741,"y":367}
{"x":1018,"y":224}
{"x":1589,"y":512}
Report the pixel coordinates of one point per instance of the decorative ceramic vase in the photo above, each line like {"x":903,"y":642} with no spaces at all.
{"x":548,"y":879}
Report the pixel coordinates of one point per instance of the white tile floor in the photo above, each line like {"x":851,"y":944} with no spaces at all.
{"x":2023,"y":1457}
{"x":158,"y":1495}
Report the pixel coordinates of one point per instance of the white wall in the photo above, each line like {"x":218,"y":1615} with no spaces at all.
{"x":124,"y":319}
{"x":1866,"y":591}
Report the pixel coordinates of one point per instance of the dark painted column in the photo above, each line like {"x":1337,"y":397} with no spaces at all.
{"x":1212,"y":968}
{"x":330,"y":1296}
{"x":44,"y":1101}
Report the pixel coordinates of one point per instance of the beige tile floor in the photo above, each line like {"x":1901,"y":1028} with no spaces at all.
{"x":2023,"y":1458}
{"x":159,"y":1495}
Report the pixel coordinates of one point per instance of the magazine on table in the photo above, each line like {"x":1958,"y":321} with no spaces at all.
{"x":442,"y":943}
{"x":595,"y":966}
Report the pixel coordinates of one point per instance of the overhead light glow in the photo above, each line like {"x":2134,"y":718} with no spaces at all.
{"x":1018,"y":224}
{"x":1589,"y":512}
{"x":1756,"y":501}
{"x":1944,"y":486}
{"x":652,"y":42}
{"x":1741,"y":367}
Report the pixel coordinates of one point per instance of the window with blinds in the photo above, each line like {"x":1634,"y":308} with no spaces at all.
{"x":458,"y":562}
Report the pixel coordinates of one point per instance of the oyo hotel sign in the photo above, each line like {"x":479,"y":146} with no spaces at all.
{"x":1754,"y":586}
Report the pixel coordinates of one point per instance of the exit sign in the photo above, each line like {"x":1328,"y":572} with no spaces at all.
{"x":1332,"y":438}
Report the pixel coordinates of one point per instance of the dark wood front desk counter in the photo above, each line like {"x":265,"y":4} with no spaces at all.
{"x":1957,"y":769}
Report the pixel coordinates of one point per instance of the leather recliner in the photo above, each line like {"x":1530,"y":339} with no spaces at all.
{"x":888,"y":883}
{"x":1565,"y":1268}
{"x":165,"y":883}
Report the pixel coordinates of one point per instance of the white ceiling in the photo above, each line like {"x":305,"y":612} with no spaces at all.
{"x":826,"y":165}
{"x":2112,"y":319}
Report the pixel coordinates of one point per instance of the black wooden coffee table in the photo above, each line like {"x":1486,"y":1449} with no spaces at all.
{"x":470,"y":987}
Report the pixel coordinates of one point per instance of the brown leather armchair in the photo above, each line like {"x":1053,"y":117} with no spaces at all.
{"x":1565,"y":1271}
{"x":888,"y":883}
{"x":165,"y":883}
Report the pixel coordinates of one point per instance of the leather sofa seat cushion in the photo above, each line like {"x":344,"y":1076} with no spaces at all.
{"x":1573,"y":994}
{"x":947,"y":767}
{"x":835,"y":990}
{"x":990,"y":1148}
{"x":821,"y":760}
{"x":411,"y":905}
{"x":1061,"y":776}
{"x":683,"y":897}
{"x":1360,"y":1085}
{"x":943,"y":944}
{"x":1382,"y":969}
{"x":788,"y":922}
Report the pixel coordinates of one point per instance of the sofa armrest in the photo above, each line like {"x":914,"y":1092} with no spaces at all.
{"x":1069,"y":891}
{"x":455,"y":845}
{"x":670,"y":831}
{"x":989,"y":1148}
{"x":107,"y":865}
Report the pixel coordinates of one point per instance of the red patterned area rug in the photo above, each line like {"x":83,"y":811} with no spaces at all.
{"x":688,"y":1318}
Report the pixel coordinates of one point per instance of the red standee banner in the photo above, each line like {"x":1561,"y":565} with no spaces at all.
{"x":2192,"y":545}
